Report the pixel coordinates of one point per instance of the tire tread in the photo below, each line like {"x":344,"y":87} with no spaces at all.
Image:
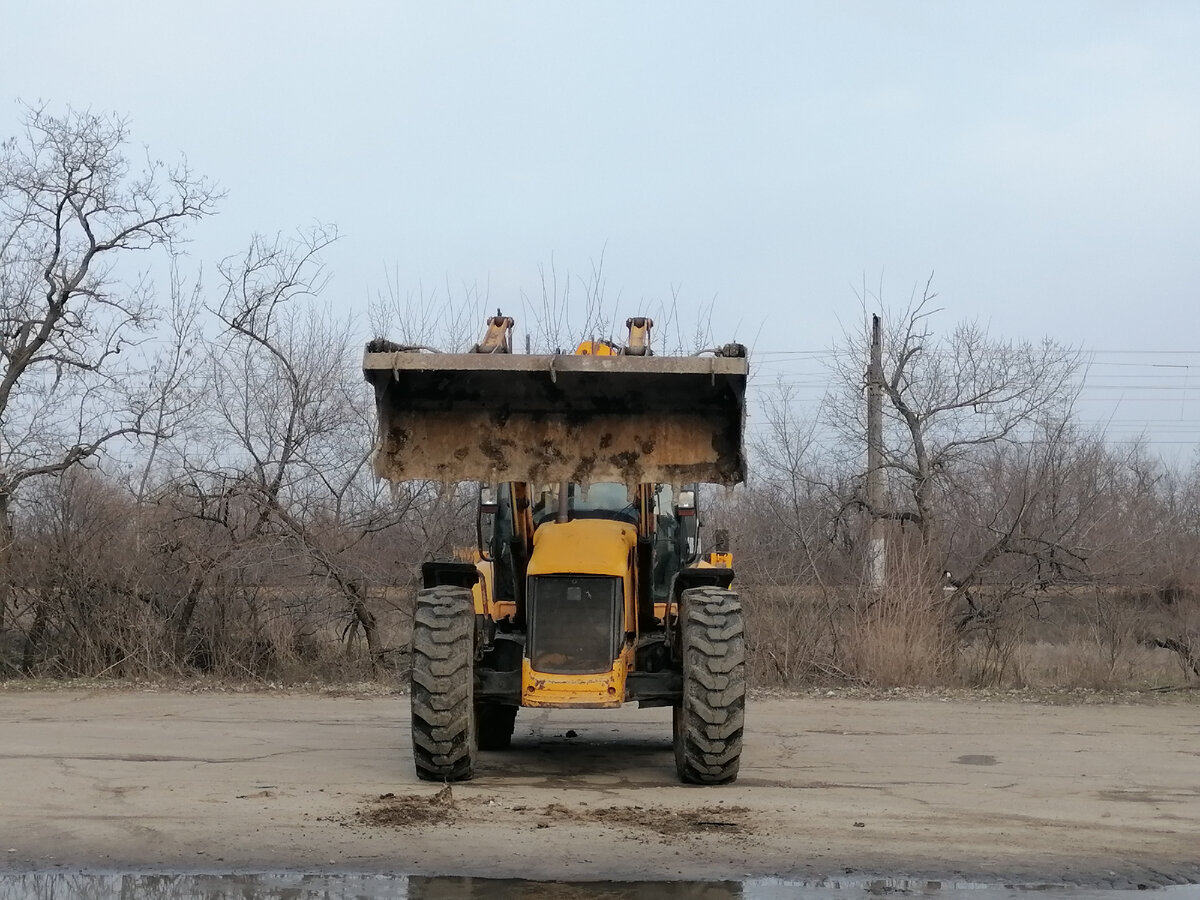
{"x":441,"y":684}
{"x":710,"y":718}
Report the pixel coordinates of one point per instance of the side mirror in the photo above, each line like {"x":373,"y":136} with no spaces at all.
{"x":487,"y":500}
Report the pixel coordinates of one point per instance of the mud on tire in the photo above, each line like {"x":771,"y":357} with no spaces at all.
{"x":442,"y":684}
{"x":708,"y":722}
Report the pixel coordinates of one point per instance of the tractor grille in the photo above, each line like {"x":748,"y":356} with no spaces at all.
{"x":574,"y":623}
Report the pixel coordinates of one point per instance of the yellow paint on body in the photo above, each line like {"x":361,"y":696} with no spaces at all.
{"x":584,"y":547}
{"x":484,"y":593}
{"x":602,"y":691}
{"x":596,"y":348}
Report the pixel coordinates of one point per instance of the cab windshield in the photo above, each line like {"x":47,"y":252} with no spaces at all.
{"x":602,"y":500}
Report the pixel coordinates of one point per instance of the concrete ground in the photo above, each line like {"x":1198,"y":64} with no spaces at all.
{"x":996,"y":790}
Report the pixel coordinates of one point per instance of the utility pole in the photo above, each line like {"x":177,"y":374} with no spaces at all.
{"x":876,"y":539}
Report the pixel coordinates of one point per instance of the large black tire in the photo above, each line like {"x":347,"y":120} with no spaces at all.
{"x":494,"y":723}
{"x":709,"y":720}
{"x":442,"y":684}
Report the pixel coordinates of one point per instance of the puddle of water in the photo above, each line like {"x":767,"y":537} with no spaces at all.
{"x":93,"y":886}
{"x":926,"y":889}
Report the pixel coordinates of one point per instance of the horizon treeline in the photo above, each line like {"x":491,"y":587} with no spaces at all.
{"x":185,"y":480}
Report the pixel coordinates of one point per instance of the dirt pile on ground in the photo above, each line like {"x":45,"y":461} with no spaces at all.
{"x":421,"y":810}
{"x":410,"y":810}
{"x":667,"y":822}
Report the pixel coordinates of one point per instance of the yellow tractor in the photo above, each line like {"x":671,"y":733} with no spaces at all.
{"x":588,"y":588}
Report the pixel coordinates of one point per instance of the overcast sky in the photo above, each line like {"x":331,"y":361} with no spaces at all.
{"x":1043,"y":159}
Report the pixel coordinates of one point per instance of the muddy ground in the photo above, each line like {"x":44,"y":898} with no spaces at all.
{"x":984,"y":787}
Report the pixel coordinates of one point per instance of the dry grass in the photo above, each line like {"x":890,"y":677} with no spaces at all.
{"x":900,"y":636}
{"x":799,"y":634}
{"x":1085,"y":663}
{"x":283,"y":640}
{"x":792,"y":633}
{"x":906,"y":636}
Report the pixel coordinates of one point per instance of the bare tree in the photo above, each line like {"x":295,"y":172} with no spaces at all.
{"x":432,"y":319}
{"x":946,"y":397}
{"x":74,"y":208}
{"x":286,"y":467}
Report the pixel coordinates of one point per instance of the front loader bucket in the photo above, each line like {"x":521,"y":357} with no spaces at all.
{"x":495,"y":417}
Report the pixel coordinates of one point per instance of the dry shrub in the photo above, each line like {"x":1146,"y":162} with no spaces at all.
{"x":100,"y":586}
{"x":297,"y":637}
{"x":1086,"y":638}
{"x":991,"y":643}
{"x":900,"y":635}
{"x":790,"y":634}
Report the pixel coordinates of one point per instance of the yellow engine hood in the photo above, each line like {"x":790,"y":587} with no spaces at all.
{"x":583,"y":547}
